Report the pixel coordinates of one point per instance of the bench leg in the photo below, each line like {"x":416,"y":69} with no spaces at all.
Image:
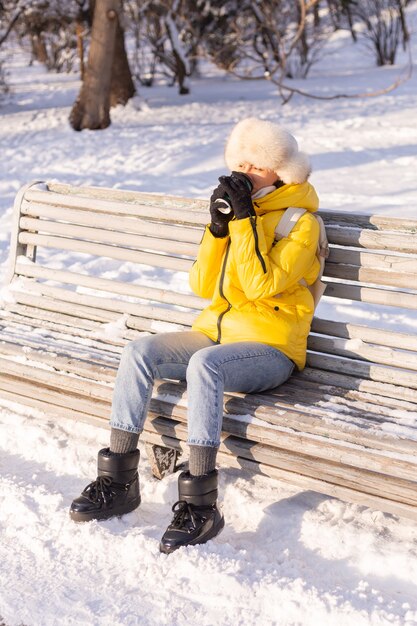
{"x":163,"y":460}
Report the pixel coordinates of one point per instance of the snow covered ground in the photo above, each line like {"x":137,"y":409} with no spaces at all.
{"x":286,"y":557}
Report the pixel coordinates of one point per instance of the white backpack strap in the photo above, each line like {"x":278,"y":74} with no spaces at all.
{"x":323,"y":247}
{"x":287,"y":222}
{"x":284,"y":227}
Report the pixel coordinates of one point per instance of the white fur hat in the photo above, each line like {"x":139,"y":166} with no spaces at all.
{"x":267,"y":145}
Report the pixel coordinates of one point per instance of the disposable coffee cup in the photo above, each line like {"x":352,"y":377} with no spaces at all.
{"x":224,"y":205}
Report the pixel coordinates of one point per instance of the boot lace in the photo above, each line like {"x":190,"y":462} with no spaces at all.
{"x":99,"y":490}
{"x":185,"y":517}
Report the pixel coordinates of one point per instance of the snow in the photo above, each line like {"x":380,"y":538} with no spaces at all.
{"x":286,"y":556}
{"x":113,"y":329}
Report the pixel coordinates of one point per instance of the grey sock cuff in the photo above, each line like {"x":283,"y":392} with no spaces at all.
{"x":123,"y":441}
{"x":202,"y":460}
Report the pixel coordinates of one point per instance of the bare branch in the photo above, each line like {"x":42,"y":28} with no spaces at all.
{"x":19,"y":11}
{"x":302,"y":22}
{"x":404,"y":77}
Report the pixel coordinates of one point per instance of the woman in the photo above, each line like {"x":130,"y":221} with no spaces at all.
{"x":249,"y":339}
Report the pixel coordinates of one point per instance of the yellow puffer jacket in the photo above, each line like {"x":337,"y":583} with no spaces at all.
{"x":254,"y":285}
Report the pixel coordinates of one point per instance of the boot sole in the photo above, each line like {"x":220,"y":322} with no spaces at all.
{"x":79,"y":516}
{"x":216,"y":530}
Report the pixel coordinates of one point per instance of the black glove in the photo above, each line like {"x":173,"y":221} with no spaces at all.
{"x":219,"y":220}
{"x":236,"y":187}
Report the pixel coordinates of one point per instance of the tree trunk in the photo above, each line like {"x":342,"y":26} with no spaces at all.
{"x":39,"y":52}
{"x":79,"y":30}
{"x":316,"y":13}
{"x":181,"y":68}
{"x":122,"y":87}
{"x":404,"y":28}
{"x":91,"y":109}
{"x":351,"y":23}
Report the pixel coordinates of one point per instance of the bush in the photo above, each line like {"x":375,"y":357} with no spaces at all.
{"x":383,"y":23}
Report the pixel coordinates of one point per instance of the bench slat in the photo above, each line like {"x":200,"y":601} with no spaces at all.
{"x":161,"y":211}
{"x":122,"y":224}
{"x":366,"y":351}
{"x":69,"y":323}
{"x":80,"y":404}
{"x":374,"y":276}
{"x":371,"y":295}
{"x":57,"y":331}
{"x":125,"y":240}
{"x":355,"y":408}
{"x":48,"y":378}
{"x":342,"y":379}
{"x":99,"y":308}
{"x":344,"y":365}
{"x":79,"y":364}
{"x":58,"y":344}
{"x":369,"y":222}
{"x":112,"y":286}
{"x":371,"y":239}
{"x":28,"y":314}
{"x":373,"y":222}
{"x":320,"y":394}
{"x":122,"y":196}
{"x":374,"y":260}
{"x":388,"y":338}
{"x":97,"y":249}
{"x":48,"y":304}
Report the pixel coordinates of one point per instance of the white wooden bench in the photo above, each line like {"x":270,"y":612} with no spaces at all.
{"x":345,"y":426}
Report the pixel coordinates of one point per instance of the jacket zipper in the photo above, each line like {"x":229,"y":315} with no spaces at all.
{"x":258,"y":252}
{"x":221,"y":292}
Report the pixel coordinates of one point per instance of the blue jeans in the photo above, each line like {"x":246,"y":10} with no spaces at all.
{"x":209,"y":368}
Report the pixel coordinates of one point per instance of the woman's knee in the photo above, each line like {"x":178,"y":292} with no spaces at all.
{"x":138,"y":349}
{"x":201,"y":364}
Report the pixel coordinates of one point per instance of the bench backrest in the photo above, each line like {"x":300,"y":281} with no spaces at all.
{"x":68,"y":243}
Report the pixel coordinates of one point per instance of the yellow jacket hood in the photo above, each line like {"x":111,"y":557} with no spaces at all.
{"x":303,"y":195}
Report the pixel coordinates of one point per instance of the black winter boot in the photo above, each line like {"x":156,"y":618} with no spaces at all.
{"x":114,"y":492}
{"x":196,"y":516}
